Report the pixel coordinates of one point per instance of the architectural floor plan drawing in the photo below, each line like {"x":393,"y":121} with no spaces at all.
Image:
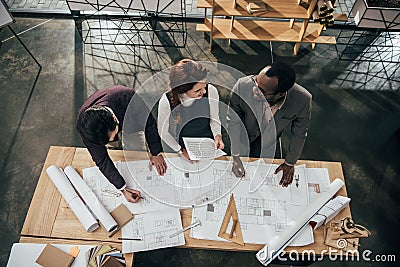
{"x":185,"y":184}
{"x":107,"y":194}
{"x":263,"y":213}
{"x":208,"y":185}
{"x":111,"y":198}
{"x":154,"y":230}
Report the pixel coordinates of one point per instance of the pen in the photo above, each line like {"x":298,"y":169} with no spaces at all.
{"x":133,"y":239}
{"x":136,"y":196}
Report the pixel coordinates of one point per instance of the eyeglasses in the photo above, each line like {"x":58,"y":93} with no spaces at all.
{"x":260,"y":91}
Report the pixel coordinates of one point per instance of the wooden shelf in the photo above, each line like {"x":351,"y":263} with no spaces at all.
{"x":285,"y":21}
{"x":204,"y":3}
{"x":276,"y":9}
{"x":340,"y":17}
{"x":264,"y":30}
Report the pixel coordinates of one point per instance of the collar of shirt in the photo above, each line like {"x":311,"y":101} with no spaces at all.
{"x":186,"y":101}
{"x":112,"y":112}
{"x":277,"y":106}
{"x":270,"y":111}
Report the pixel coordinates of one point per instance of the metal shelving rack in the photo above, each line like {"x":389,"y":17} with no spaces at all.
{"x":158,"y":23}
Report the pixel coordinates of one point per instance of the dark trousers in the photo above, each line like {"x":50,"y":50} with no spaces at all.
{"x":255,"y":149}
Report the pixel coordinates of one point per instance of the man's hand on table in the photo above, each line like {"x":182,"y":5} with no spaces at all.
{"x":237,"y":167}
{"x":159,"y":162}
{"x":287,"y":176}
{"x":131,"y":195}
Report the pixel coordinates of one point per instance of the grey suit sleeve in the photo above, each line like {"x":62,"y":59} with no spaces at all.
{"x":298,"y":133}
{"x":234,"y":115}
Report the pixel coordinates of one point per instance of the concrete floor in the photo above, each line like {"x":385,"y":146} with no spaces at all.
{"x":356,"y":112}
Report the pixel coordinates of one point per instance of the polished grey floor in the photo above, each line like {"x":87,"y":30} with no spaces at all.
{"x":356,"y":113}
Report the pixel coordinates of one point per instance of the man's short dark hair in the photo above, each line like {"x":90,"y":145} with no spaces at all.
{"x":285,"y":73}
{"x":96,"y":123}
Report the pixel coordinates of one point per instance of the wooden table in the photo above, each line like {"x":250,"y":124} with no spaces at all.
{"x":50,"y":220}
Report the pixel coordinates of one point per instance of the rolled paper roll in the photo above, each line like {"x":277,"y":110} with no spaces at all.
{"x":278,"y":243}
{"x":76,"y":204}
{"x":91,"y":199}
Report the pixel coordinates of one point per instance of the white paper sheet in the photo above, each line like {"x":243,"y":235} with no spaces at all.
{"x":154,"y":228}
{"x":330,"y":210}
{"x":274,"y":246}
{"x":111,"y":198}
{"x":25,"y":254}
{"x":91,"y":200}
{"x":264,"y":213}
{"x":207,"y":181}
{"x":63,"y":185}
{"x":201,"y":148}
{"x":318,"y":181}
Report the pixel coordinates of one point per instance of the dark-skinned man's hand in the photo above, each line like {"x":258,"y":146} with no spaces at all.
{"x":287,"y":176}
{"x":158,"y":162}
{"x":237,"y":167}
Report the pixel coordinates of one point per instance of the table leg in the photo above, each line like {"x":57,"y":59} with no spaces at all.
{"x":129,"y":259}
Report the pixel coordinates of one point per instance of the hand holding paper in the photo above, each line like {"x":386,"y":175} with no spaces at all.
{"x":219,"y":144}
{"x":202,"y":148}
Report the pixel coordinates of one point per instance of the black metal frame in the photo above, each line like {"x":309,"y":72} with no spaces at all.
{"x":389,"y":25}
{"x":373,"y":55}
{"x":130,"y":26}
{"x":369,"y":45}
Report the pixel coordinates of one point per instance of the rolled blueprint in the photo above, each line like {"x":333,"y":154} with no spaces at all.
{"x":71,"y":197}
{"x":91,"y":200}
{"x":329,"y":210}
{"x":277,"y":244}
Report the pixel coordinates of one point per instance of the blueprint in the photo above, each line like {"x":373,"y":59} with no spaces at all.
{"x":185,"y":184}
{"x":318,"y":181}
{"x":111,"y":198}
{"x":154,"y":230}
{"x":263,"y":213}
{"x":207,"y":186}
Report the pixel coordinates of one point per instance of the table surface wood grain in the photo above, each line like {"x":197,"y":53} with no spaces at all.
{"x":50,"y":219}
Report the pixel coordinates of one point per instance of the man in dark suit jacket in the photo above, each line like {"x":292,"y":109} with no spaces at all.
{"x":255,"y":100}
{"x":101,"y":118}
